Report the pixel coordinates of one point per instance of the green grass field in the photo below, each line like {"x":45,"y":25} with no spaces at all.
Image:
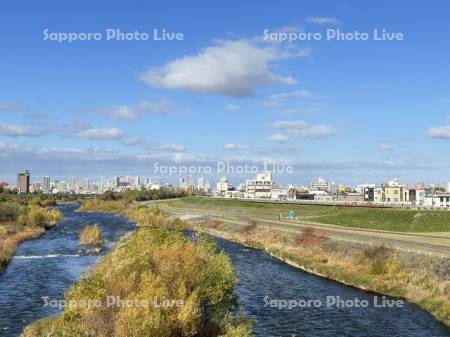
{"x":401,"y":220}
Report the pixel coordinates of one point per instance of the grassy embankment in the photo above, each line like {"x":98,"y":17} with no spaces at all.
{"x":420,"y":279}
{"x":401,"y":220}
{"x":23,"y":218}
{"x":177,"y":287}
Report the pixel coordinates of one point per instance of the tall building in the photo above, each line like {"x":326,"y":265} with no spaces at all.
{"x":186,"y":183}
{"x":23,"y":182}
{"x":46,"y":184}
{"x":85,"y":185}
{"x":203,"y":185}
{"x":73,"y":184}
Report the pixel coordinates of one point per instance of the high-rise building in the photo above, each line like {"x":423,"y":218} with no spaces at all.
{"x":73,"y":184}
{"x":46,"y":184}
{"x":203,"y":185}
{"x":186,"y":183}
{"x":23,"y":182}
{"x":85,"y":185}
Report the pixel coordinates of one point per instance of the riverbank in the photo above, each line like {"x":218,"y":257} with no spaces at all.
{"x":21,"y":220}
{"x":419,"y":279}
{"x":190,"y":280}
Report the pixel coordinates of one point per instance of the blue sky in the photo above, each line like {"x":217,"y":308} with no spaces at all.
{"x":351,"y":111}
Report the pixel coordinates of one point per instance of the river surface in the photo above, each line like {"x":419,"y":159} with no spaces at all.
{"x":48,"y":265}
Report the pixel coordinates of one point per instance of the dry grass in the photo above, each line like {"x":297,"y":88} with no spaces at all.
{"x":9,"y":243}
{"x":90,"y":235}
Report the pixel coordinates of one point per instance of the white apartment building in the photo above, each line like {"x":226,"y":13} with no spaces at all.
{"x":320,"y":185}
{"x":261,"y":187}
{"x":279,"y":194}
{"x":203,"y":185}
{"x":222,"y":187}
{"x":186,"y":183}
{"x":441,"y":200}
{"x":448,"y":188}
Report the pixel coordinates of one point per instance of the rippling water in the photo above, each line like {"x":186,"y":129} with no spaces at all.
{"x":48,"y":265}
{"x":263,"y":277}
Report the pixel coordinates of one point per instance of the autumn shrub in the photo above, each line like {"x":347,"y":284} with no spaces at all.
{"x":214,"y":223}
{"x":310,"y":237}
{"x":146,"y":268}
{"x":90,"y":235}
{"x":250,"y":226}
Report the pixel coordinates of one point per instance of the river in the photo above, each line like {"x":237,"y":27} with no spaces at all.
{"x":48,"y":265}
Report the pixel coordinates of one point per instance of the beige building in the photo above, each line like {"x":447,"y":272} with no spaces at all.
{"x":222,"y":187}
{"x":393,"y":192}
{"x":261,"y":187}
{"x":23,"y":182}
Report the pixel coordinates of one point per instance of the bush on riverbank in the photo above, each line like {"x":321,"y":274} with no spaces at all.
{"x":90,"y":235}
{"x":22,"y":219}
{"x":177,"y":287}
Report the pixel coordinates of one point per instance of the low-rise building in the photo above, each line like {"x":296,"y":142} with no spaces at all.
{"x":437,"y":200}
{"x":261,"y":187}
{"x":392,"y":192}
{"x":279,"y":194}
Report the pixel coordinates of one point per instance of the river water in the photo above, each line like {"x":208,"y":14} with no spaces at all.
{"x":48,"y":265}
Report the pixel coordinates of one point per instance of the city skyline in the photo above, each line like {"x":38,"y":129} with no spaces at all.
{"x":353,"y":111}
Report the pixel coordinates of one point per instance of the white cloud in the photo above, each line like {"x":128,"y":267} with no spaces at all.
{"x":299,"y":110}
{"x":385,"y":147}
{"x":231,"y":146}
{"x":159,"y":107}
{"x":439,"y":132}
{"x":304,"y":129}
{"x":279,"y":138}
{"x":233,"y":107}
{"x":10,"y":130}
{"x":12,"y":107}
{"x":276,"y":100}
{"x":124,"y":113}
{"x":171,"y":147}
{"x":228,"y":68}
{"x":101,"y":133}
{"x":130,"y":114}
{"x":323,"y":20}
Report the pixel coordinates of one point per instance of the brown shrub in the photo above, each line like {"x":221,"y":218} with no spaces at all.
{"x":377,"y":252}
{"x":250,"y":226}
{"x":214,"y":223}
{"x":311,"y":237}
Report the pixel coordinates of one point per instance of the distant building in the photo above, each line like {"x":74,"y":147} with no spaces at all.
{"x":203,"y":185}
{"x":321,"y":185}
{"x":61,"y":186}
{"x":46,"y":184}
{"x":73,"y":184}
{"x":222,"y":187}
{"x":23,"y":182}
{"x":85,"y":186}
{"x":186,"y":183}
{"x":279,"y":194}
{"x":261,"y":187}
{"x":441,"y":200}
{"x":369,"y":194}
{"x":392,"y":192}
{"x":448,"y":187}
